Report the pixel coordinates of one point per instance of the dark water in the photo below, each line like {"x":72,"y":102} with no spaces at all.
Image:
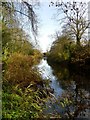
{"x":67,"y":84}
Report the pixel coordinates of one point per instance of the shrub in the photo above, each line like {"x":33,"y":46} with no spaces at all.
{"x":23,"y":105}
{"x":20,"y":71}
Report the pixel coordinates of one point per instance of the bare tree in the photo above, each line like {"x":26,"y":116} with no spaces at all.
{"x":75,"y":19}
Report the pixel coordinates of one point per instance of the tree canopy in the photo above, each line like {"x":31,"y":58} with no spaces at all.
{"x":11,"y":12}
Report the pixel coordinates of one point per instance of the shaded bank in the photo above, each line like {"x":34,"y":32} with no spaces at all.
{"x":81,"y":66}
{"x":77,"y":66}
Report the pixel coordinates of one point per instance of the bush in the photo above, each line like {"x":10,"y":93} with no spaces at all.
{"x":80,"y":54}
{"x":20,"y":70}
{"x":37,"y":56}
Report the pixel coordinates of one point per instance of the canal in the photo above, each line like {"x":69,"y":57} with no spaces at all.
{"x":71,"y":88}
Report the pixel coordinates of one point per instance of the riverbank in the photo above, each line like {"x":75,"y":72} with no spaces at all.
{"x":82,"y":67}
{"x":24,"y":90}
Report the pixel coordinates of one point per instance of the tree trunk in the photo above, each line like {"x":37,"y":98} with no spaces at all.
{"x":78,"y":40}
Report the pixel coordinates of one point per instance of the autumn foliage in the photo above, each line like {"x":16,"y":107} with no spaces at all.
{"x":20,"y":71}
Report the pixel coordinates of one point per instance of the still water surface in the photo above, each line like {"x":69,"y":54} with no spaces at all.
{"x":76,"y":86}
{"x":47,"y":73}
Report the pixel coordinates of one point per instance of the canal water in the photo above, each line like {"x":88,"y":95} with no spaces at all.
{"x":47,"y":73}
{"x":67,"y":84}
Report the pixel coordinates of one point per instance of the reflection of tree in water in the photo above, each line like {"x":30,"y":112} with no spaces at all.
{"x":76,"y":102}
{"x":75,"y":98}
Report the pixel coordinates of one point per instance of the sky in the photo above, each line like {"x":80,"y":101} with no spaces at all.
{"x":48,"y":25}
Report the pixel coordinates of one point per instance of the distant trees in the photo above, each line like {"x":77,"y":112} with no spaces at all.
{"x":60,"y":50}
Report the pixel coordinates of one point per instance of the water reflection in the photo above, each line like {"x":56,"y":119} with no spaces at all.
{"x":73,"y":89}
{"x":76,"y":91}
{"x":47,"y":73}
